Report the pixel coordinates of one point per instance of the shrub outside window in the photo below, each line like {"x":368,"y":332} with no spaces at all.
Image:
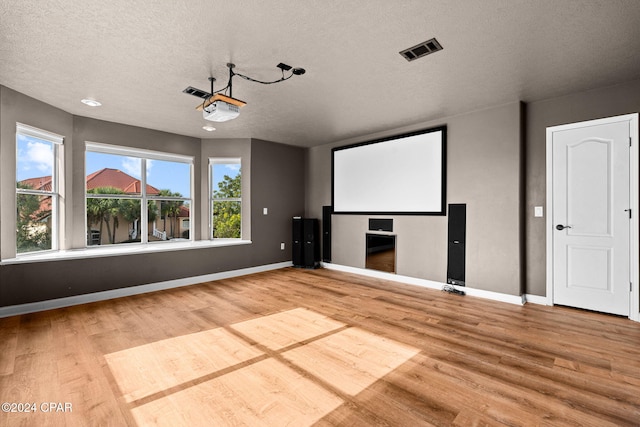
{"x":225,"y":198}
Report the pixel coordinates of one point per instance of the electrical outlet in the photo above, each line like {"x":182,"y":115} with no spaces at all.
{"x":282,"y":246}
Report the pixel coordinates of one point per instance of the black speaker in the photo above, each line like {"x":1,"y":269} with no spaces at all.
{"x":326,"y":233}
{"x":456,"y":244}
{"x":311,"y":246}
{"x":306,"y":243}
{"x":296,"y":247}
{"x":380,"y":224}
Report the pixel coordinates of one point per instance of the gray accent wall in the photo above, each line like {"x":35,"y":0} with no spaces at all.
{"x":277,"y":182}
{"x":484,"y":170}
{"x":18,"y":108}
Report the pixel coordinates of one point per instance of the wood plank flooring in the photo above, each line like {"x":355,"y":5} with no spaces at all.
{"x":318,"y":347}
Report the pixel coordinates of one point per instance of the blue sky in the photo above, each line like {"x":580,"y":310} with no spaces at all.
{"x":35,"y":159}
{"x":163,"y":175}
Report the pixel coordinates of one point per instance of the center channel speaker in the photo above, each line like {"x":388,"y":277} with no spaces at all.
{"x":380,"y":224}
{"x":456,"y":244}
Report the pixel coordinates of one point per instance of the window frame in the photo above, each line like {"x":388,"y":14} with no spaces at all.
{"x":143,"y":155}
{"x":57,"y":170}
{"x":211,"y":199}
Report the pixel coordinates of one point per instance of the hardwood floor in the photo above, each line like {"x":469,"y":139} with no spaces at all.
{"x":318,"y":347}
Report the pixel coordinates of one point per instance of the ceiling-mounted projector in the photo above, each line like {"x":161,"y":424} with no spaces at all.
{"x":220,"y":111}
{"x":217,"y":107}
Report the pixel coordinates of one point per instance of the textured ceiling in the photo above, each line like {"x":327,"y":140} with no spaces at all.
{"x":136,"y":57}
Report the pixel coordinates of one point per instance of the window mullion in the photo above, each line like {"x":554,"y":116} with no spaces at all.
{"x":55,"y":199}
{"x":144,"y":205}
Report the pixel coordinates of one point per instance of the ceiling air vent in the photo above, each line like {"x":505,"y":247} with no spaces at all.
{"x":422,"y":49}
{"x":197,"y":92}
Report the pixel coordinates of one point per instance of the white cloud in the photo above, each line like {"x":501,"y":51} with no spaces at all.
{"x":36,"y":155}
{"x":131,"y":165}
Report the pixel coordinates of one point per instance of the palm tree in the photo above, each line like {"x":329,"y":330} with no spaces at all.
{"x":106,"y":210}
{"x":171,"y":209}
{"x":130,"y":211}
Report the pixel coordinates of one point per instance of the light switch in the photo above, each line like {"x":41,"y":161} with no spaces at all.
{"x":282,"y":246}
{"x":538,"y":212}
{"x":265,"y":211}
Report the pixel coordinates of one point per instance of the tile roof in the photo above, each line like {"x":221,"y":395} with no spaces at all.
{"x":103,"y":178}
{"x":116,"y":178}
{"x":42,"y":183}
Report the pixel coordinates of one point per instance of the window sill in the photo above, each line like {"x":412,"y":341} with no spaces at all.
{"x":121,"y":249}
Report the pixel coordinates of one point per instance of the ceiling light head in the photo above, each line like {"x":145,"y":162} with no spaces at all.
{"x":298,"y":71}
{"x":91,"y":102}
{"x":284,"y":67}
{"x":208,"y":128}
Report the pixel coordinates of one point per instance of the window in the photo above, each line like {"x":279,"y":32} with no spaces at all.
{"x":225,"y":198}
{"x":136,"y":196}
{"x":37,"y":189}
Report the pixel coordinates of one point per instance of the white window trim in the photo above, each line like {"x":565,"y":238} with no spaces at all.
{"x":143,"y":155}
{"x":211,"y":199}
{"x":136,"y":152}
{"x":57,"y":169}
{"x":120,"y":249}
{"x":39,"y":133}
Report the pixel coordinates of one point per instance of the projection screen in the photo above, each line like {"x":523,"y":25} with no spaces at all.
{"x":401,"y":175}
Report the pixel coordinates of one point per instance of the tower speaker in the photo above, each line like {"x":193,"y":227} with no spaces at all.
{"x":311,"y":247}
{"x":456,"y":244}
{"x":306,"y":243}
{"x":296,"y":246}
{"x":326,"y":233}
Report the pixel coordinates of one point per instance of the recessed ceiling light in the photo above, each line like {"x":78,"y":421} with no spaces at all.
{"x":208,"y":128}
{"x":91,"y":102}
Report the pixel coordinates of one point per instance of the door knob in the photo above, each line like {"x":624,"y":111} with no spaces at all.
{"x":561,"y":227}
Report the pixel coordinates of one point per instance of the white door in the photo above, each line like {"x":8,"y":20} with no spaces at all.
{"x":590,"y":216}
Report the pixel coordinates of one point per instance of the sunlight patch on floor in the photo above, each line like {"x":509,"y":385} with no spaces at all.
{"x":151,"y":368}
{"x":264,"y":393}
{"x":351,"y":360}
{"x":216,"y":377}
{"x":289,"y":327}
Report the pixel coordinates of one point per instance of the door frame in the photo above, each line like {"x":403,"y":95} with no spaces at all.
{"x":632,"y":119}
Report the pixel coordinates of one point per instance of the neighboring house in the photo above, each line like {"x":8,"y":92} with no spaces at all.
{"x":33,"y":225}
{"x":161,"y":228}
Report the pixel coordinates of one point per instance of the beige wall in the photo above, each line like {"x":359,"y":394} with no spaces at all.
{"x":484,"y":170}
{"x":594,"y":104}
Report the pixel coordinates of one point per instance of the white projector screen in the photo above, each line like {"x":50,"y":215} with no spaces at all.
{"x":402,"y":175}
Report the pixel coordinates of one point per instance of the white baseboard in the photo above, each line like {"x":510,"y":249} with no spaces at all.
{"x":33,"y":307}
{"x":536,"y":299}
{"x":480,"y":293}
